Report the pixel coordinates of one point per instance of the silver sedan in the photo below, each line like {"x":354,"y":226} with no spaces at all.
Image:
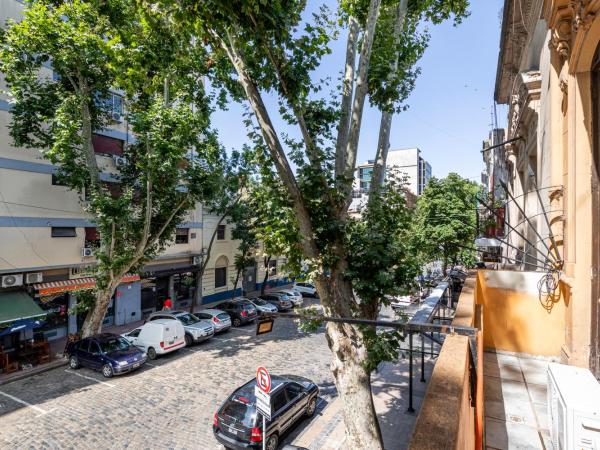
{"x":220,"y":319}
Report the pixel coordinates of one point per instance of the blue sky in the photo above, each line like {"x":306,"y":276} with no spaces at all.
{"x":450,"y":107}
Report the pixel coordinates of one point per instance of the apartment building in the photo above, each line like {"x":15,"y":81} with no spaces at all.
{"x":46,"y":240}
{"x":403,"y":162}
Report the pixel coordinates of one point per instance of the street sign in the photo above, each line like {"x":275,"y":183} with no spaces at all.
{"x":263,"y":379}
{"x":263,"y":403}
{"x":264,"y":326}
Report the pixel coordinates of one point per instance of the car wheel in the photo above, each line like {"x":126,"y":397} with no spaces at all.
{"x":151,"y":353}
{"x":312,"y":407}
{"x":272,"y":442}
{"x":107,"y":371}
{"x":74,"y":362}
{"x":237,"y":322}
{"x":188,"y":340}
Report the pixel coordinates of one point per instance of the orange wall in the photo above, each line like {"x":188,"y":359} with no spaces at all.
{"x":515,"y":319}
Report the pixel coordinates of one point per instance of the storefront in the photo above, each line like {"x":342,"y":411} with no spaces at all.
{"x":176,"y":281}
{"x":22,"y":345}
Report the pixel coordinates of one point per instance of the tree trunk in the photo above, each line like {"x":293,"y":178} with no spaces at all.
{"x":266,"y":278}
{"x":237,"y":278}
{"x":93,"y":320}
{"x":352,"y":380}
{"x":198,"y":292}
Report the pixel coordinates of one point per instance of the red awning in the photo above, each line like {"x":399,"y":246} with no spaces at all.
{"x":56,"y":287}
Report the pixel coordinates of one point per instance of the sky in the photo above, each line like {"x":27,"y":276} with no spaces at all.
{"x":450,"y":108}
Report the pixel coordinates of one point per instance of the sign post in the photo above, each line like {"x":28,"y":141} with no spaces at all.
{"x":263,"y":399}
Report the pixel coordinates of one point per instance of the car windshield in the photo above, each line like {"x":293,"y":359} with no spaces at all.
{"x":260,"y":302}
{"x":188,"y":319}
{"x":223,"y":316}
{"x":114,"y":345}
{"x":241,"y":411}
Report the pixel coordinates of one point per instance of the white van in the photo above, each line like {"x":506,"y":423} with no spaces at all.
{"x":158,"y":337}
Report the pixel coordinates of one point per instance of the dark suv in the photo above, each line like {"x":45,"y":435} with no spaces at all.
{"x":237,"y":424}
{"x":280,"y":300}
{"x":241,"y":311}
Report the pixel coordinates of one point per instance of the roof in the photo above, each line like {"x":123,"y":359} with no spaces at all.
{"x":15,"y":305}
{"x":212,"y":311}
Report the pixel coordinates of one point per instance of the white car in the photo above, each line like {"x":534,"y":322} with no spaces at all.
{"x":306,"y":289}
{"x":293,"y":294}
{"x":263,"y":307}
{"x":158,"y":337}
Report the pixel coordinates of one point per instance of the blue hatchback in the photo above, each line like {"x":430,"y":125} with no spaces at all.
{"x":107,"y":352}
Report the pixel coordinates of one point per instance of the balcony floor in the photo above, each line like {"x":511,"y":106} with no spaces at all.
{"x":516,"y":414}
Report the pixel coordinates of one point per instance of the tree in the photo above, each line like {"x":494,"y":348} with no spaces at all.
{"x":446,"y":219}
{"x":95,"y":49}
{"x":259,"y":47}
{"x":229,"y":179}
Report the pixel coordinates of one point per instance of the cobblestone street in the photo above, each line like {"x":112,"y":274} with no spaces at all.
{"x":169,"y":403}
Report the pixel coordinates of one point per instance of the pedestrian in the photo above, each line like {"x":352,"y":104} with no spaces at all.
{"x":167,"y":305}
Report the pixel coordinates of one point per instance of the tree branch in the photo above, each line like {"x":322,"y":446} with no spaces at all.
{"x":276,"y":150}
{"x":141,"y":247}
{"x":362,"y":88}
{"x":346,"y":105}
{"x":383,"y":144}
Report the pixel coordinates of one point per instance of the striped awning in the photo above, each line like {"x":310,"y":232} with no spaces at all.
{"x":76,"y":284}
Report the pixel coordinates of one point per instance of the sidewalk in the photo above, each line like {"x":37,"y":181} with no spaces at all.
{"x":390,"y":396}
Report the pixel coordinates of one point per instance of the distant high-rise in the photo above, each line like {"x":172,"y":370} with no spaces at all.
{"x":403,"y":162}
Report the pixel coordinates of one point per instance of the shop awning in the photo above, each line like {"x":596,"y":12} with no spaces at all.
{"x":76,"y":284}
{"x":18,"y":305}
{"x":20,"y":326}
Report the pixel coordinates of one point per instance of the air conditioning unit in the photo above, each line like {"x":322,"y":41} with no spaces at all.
{"x":120,"y":161}
{"x":31,"y":278}
{"x":15,"y":279}
{"x":117,"y":117}
{"x":196,"y":260}
{"x":573,"y":408}
{"x":87,"y":252}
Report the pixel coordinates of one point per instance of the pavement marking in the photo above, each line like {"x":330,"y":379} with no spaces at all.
{"x":90,"y":378}
{"x":42,"y":411}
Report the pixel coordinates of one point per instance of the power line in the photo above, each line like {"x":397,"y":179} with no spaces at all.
{"x":37,"y":207}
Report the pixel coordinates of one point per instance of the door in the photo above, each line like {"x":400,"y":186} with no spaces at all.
{"x":83,"y":353}
{"x":298,"y":399}
{"x":249,"y":281}
{"x":282,"y":409}
{"x":95,"y":355}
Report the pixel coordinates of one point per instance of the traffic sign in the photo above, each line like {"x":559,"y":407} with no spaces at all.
{"x":263,"y":380}
{"x":263,"y":403}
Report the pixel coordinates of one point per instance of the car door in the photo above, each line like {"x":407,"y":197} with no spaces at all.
{"x":95,"y":355}
{"x":132,"y":336}
{"x":283,"y":408}
{"x":297,"y":398}
{"x":83,"y":354}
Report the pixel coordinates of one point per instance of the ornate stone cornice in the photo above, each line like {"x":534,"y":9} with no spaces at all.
{"x":582,"y":15}
{"x":561,"y":37}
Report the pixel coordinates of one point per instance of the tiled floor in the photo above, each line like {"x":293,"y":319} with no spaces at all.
{"x":516,"y":414}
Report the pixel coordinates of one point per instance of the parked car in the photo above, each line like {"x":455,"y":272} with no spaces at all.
{"x":236,"y":424}
{"x":263,"y":306}
{"x":294,"y":295}
{"x":159,"y":337}
{"x":306,"y":289}
{"x":281,"y":301}
{"x":109,"y":353}
{"x":220,"y":319}
{"x":196,"y":329}
{"x":241,"y":311}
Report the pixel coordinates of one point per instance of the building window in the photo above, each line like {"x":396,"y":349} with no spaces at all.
{"x":107,"y":145}
{"x":56,"y":181}
{"x":92,"y":238}
{"x":182,"y":235}
{"x":220,"y":276}
{"x":221,"y":232}
{"x":64,"y":232}
{"x":272,"y":267}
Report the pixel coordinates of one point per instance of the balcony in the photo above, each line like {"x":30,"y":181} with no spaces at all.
{"x":495,"y":397}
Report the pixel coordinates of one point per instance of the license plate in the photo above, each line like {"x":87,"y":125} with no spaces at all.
{"x":171,"y":342}
{"x":136,"y":365}
{"x":232,"y":430}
